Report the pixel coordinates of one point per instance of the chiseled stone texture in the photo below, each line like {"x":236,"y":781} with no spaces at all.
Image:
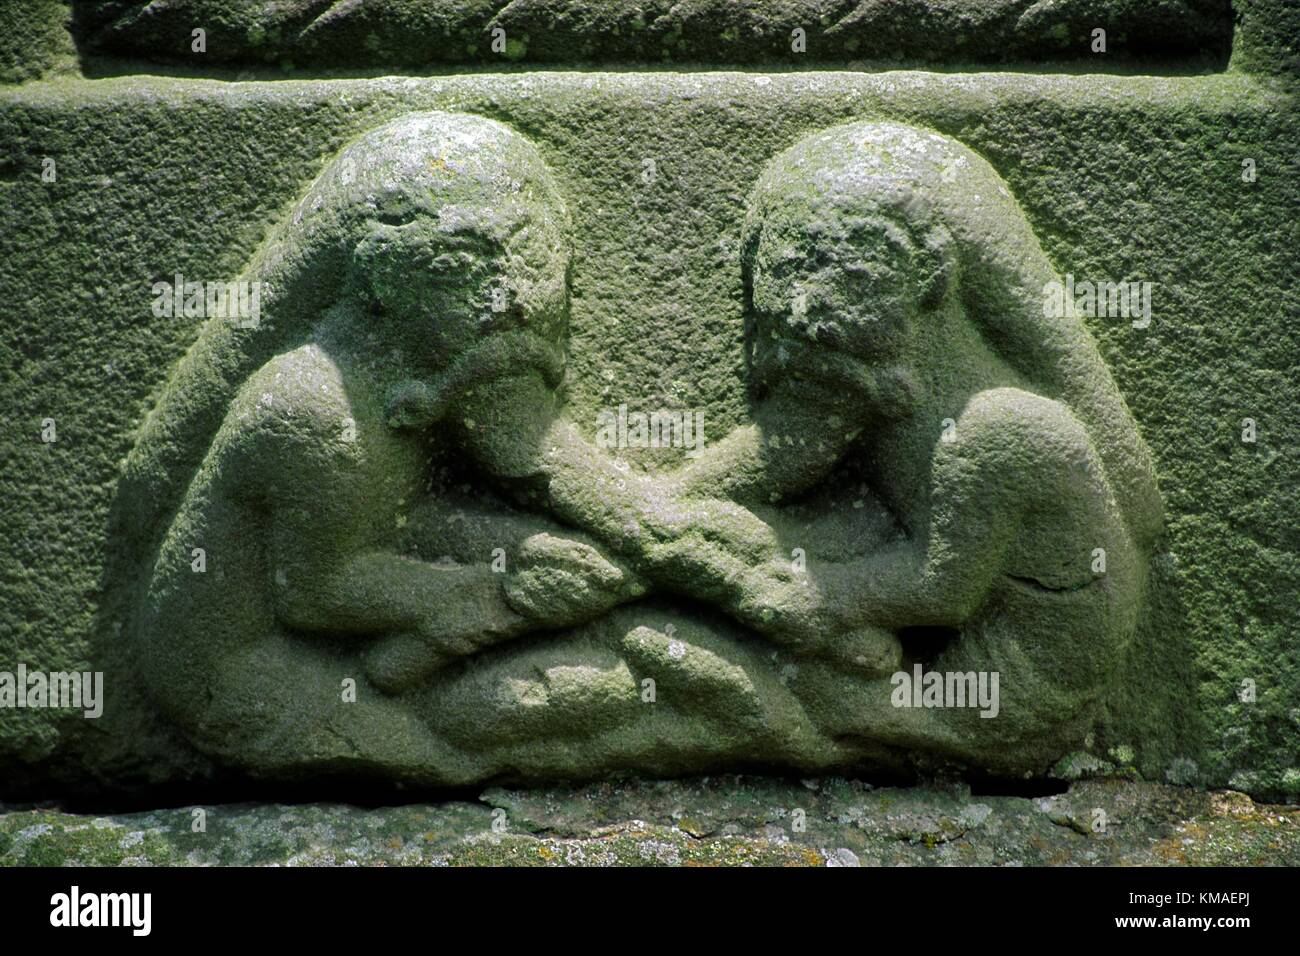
{"x":1267,"y":37}
{"x":416,"y":33}
{"x":34,"y":39}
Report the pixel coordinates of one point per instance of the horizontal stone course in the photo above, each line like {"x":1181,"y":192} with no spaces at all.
{"x":415,"y":33}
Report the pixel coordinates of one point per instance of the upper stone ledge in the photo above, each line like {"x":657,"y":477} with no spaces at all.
{"x":962,"y":93}
{"x":412,"y":34}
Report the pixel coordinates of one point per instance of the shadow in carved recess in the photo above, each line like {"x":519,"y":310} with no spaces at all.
{"x":353,"y":34}
{"x":351,"y":466}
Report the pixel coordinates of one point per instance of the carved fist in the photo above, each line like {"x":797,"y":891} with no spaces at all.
{"x":559,"y":582}
{"x":867,"y":650}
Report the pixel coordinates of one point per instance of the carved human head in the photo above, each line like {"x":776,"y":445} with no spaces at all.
{"x":844,"y":255}
{"x":457,"y":234}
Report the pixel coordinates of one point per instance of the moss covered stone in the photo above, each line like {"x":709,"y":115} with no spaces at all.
{"x":34,"y":39}
{"x":646,"y":179}
{"x":719,"y":821}
{"x":415,"y":33}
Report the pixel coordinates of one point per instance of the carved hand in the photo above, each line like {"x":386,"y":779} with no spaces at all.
{"x":559,"y":582}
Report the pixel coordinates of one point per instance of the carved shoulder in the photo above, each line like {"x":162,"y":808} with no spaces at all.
{"x":291,"y":420}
